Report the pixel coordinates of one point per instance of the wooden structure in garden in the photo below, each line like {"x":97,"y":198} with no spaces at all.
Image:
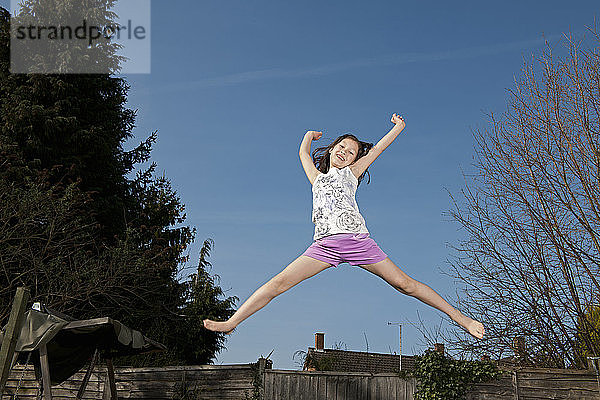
{"x":67,"y":344}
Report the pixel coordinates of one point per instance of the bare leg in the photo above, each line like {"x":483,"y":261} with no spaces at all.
{"x":298,"y":270}
{"x":393,"y":275}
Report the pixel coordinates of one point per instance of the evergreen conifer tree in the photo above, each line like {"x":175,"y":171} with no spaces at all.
{"x":86,"y":237}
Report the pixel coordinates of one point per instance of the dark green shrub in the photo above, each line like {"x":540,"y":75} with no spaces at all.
{"x":439,"y":377}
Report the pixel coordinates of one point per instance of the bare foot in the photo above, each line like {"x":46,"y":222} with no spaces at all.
{"x":475,"y":328}
{"x":218,"y":326}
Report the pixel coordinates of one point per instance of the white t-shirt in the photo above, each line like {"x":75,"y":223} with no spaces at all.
{"x":334,"y":204}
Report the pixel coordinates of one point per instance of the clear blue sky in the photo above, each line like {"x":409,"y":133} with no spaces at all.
{"x":236,"y":84}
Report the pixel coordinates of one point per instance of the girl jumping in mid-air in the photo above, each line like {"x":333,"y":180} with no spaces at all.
{"x":341,"y":234}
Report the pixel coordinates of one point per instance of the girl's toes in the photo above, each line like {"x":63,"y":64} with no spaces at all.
{"x":218,"y":326}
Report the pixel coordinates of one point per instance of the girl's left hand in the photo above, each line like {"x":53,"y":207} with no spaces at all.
{"x":398,"y":120}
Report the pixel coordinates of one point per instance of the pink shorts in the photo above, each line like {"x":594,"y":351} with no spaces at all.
{"x":353,"y":248}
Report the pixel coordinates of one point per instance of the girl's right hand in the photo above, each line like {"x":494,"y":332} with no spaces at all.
{"x":316,"y":135}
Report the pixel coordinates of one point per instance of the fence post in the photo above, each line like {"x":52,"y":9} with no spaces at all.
{"x":262,"y":364}
{"x":515,"y":380}
{"x":594,"y":365}
{"x":11,"y":335}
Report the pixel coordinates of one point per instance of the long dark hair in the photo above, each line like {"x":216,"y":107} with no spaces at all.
{"x":320,"y":155}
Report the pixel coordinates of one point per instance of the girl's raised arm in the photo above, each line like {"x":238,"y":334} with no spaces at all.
{"x":305,"y":158}
{"x":361,"y":165}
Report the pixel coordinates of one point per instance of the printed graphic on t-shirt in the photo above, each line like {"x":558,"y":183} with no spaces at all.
{"x":334,"y":206}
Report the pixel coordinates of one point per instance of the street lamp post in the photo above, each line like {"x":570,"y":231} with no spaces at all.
{"x":400,"y":340}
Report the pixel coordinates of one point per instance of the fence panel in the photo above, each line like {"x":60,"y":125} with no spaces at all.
{"x":293,"y":385}
{"x":227,"y":382}
{"x":540,"y":383}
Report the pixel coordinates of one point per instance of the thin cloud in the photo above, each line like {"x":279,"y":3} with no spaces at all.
{"x":396,"y":59}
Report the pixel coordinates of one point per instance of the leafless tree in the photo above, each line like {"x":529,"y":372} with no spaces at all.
{"x":48,"y":247}
{"x":529,"y":264}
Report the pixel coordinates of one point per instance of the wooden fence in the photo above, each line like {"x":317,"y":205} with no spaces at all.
{"x":237,"y":382}
{"x":228,"y":382}
{"x":540,"y":384}
{"x":319,"y":385}
{"x":515,"y":384}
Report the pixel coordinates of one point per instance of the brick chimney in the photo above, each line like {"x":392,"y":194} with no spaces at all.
{"x":520,"y":350}
{"x":319,"y":341}
{"x":519,"y":345}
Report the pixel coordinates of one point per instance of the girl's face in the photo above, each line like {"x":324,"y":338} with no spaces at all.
{"x":343,"y":154}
